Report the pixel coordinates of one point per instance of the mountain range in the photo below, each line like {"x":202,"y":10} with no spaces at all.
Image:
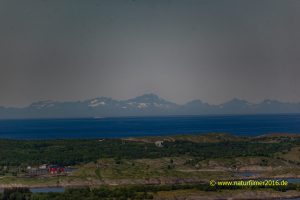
{"x":145,"y":105}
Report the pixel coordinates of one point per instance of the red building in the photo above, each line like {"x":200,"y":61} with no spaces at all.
{"x":54,"y":169}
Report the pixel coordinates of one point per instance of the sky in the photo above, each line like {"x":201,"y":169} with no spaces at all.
{"x":213,"y":50}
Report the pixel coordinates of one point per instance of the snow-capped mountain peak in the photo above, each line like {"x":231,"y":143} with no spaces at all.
{"x":144,"y":105}
{"x":96,"y":102}
{"x":149,"y":101}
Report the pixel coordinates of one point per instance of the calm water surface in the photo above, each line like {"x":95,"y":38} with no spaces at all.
{"x":250,"y":125}
{"x":47,"y":189}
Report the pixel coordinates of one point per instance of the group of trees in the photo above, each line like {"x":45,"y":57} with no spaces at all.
{"x":71,"y":152}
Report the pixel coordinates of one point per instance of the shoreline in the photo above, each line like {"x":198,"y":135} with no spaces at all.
{"x":241,"y":194}
{"x":132,"y":182}
{"x":167,"y":137}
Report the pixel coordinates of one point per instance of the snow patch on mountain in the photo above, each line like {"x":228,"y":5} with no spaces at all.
{"x":142,"y":105}
{"x":96,"y":103}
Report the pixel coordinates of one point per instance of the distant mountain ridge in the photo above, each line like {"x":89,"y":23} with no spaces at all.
{"x":145,"y":105}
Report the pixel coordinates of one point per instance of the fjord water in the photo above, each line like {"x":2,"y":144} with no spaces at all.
{"x":248,"y":125}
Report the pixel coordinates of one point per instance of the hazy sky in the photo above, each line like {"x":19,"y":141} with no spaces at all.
{"x":180,"y":50}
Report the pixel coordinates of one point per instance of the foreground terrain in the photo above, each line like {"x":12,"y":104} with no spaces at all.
{"x":171,"y":167}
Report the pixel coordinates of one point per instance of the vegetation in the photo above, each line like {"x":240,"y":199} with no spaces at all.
{"x":72,"y":152}
{"x":139,"y":161}
{"x":121,"y":193}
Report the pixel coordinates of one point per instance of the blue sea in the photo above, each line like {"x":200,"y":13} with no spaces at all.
{"x":246,"y":125}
